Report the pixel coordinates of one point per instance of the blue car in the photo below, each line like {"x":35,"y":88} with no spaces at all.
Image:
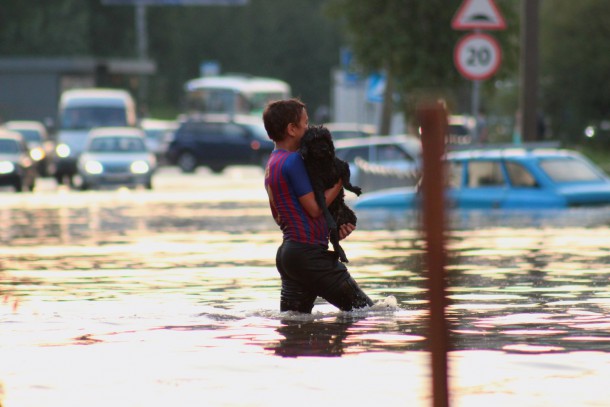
{"x":508,"y":178}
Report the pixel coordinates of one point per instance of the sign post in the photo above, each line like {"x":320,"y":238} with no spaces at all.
{"x":477,"y":56}
{"x":432,"y":118}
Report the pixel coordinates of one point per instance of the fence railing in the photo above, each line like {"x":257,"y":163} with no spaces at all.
{"x":373,"y":177}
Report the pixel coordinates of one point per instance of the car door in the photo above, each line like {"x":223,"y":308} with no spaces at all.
{"x":236,"y":149}
{"x":210,"y":144}
{"x":392,"y":156}
{"x":526,"y":191}
{"x":350,"y":154}
{"x":484,"y":187}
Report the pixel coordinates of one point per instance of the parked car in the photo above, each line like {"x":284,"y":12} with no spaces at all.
{"x":116,"y":156}
{"x":378,"y":160}
{"x":461,"y":129}
{"x":341,"y":131}
{"x":219,"y":141}
{"x":42,"y":148}
{"x":159,"y":134}
{"x":81,"y":110}
{"x":17,"y":168}
{"x":509,"y":178}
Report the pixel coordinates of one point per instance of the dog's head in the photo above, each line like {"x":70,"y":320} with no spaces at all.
{"x":317,"y":144}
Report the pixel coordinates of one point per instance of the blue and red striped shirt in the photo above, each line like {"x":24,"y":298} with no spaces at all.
{"x":286,"y":180}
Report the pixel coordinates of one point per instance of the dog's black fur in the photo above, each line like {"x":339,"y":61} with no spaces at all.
{"x":325,"y":169}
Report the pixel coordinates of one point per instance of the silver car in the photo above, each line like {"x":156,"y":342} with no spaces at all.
{"x":17,"y":168}
{"x":341,"y":131}
{"x":159,"y":133}
{"x":42,"y":148}
{"x":381,"y":161}
{"x":116,"y":156}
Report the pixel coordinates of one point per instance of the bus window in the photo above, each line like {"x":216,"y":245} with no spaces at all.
{"x":233,"y":94}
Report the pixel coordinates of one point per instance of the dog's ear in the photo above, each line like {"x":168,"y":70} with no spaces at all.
{"x":328,"y":138}
{"x":325,"y":132}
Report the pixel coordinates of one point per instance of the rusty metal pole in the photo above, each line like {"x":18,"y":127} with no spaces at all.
{"x":433,"y":121}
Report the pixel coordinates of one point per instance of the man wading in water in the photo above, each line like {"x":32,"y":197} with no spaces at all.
{"x":307,"y":268}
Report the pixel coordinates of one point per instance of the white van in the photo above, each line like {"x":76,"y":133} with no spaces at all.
{"x":80,"y":110}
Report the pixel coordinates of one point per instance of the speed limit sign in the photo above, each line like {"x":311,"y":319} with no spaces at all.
{"x":477,"y":56}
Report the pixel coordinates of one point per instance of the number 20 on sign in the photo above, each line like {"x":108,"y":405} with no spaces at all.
{"x":477,"y":56}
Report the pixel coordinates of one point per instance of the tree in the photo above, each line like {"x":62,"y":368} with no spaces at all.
{"x":412,"y":41}
{"x":291,"y":40}
{"x":575,"y":61}
{"x":32,"y":28}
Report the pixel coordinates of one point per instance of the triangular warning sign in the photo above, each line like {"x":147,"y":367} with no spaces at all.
{"x":478,"y":14}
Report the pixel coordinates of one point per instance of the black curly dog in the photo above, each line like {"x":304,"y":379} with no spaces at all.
{"x":325,"y":169}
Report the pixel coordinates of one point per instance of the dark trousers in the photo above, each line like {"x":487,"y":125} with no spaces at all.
{"x":309,"y":271}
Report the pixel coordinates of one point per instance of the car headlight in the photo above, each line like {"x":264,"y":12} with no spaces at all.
{"x":62,"y":150}
{"x":37,"y":153}
{"x":139,"y":167}
{"x":94,"y":167}
{"x":6,"y":167}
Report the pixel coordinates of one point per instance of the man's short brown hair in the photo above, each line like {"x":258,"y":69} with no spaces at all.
{"x":279,"y":114}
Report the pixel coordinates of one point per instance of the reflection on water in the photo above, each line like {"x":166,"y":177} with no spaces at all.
{"x":168,"y":302}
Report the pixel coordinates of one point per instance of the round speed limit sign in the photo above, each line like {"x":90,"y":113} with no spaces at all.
{"x":477,"y":56}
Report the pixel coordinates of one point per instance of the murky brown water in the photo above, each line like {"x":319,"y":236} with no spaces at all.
{"x":170,"y":297}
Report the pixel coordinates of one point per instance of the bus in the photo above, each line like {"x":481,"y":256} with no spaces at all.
{"x":233,"y":94}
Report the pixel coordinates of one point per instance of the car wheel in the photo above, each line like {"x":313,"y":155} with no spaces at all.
{"x":217,"y":169}
{"x":187,"y":162}
{"x":148,"y":185}
{"x":84,"y":186}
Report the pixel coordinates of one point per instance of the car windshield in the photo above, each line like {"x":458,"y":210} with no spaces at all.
{"x":96,"y":116}
{"x":117,"y":145}
{"x":343,"y":134}
{"x":458,"y":130}
{"x":568,"y":170}
{"x":156,"y":134}
{"x":30,"y":135}
{"x":8,"y":147}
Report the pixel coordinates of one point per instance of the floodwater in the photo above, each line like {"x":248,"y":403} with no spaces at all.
{"x":170,"y":298}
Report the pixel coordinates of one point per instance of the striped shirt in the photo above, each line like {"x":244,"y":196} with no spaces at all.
{"x":286,"y":180}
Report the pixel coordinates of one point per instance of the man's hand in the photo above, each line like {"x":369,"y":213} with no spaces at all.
{"x":346,"y":230}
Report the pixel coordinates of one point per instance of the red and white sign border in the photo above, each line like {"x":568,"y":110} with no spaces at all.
{"x":458,"y":63}
{"x":498,"y":23}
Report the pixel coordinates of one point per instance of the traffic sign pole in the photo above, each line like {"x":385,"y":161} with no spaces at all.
{"x":477,"y":56}
{"x":475,"y":106}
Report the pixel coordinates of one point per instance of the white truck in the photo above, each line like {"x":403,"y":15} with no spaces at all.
{"x":81,"y":110}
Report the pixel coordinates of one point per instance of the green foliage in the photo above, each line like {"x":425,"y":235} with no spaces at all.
{"x":299,"y":41}
{"x":575,"y":61}
{"x":413,"y":41}
{"x":42,"y":27}
{"x":289,"y":39}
